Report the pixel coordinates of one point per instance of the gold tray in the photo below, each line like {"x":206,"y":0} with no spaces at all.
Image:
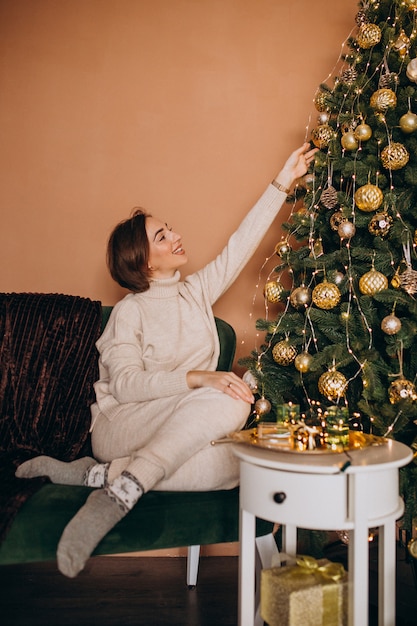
{"x":357,"y":441}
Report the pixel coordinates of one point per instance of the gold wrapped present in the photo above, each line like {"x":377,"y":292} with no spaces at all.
{"x":312,"y":593}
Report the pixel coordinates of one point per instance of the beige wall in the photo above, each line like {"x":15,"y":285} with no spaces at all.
{"x":185,"y":107}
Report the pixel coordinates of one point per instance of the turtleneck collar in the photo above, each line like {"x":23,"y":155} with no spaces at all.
{"x":164,"y":287}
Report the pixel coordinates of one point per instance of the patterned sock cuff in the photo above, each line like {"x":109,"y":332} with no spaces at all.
{"x":96,"y":475}
{"x":125,"y":490}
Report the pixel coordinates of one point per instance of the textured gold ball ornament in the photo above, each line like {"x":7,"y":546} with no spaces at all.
{"x":273,"y":291}
{"x":283,"y":248}
{"x":369,"y":35}
{"x":411,"y":70}
{"x":349,"y":142}
{"x":300,"y":297}
{"x":284,"y":353}
{"x":368,"y":197}
{"x":262,"y":406}
{"x":411,"y":4}
{"x":408,"y":122}
{"x":346,"y":230}
{"x":302,"y":362}
{"x":383,"y":99}
{"x":326,"y":295}
{"x":391,"y":324}
{"x":322,"y":135}
{"x":363,"y":132}
{"x":380,"y":224}
{"x":401,"y":389}
{"x":372,"y":282}
{"x":320,"y":101}
{"x":332,"y":384}
{"x":394,"y":156}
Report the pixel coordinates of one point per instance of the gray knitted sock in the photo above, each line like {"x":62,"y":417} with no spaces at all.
{"x":58,"y":472}
{"x":103,"y":509}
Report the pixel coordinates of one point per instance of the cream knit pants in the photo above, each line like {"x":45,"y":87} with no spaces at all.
{"x":165,"y":443}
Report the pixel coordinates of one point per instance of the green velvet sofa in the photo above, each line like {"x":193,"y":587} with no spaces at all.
{"x":160,"y":519}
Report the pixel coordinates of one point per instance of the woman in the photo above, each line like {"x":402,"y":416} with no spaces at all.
{"x":159,"y":399}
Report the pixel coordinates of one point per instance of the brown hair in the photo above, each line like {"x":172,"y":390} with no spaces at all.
{"x":128,"y":253}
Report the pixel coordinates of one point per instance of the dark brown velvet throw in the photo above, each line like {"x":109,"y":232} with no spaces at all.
{"x":48,"y":364}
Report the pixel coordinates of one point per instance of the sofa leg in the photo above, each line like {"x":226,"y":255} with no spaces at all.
{"x":192,"y":565}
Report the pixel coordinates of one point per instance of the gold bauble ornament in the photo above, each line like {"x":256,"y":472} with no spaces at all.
{"x":380,"y":224}
{"x":284,"y":353}
{"x":402,"y":44}
{"x":346,"y":230}
{"x":363,"y":132}
{"x":383,"y":99}
{"x":369,"y":35}
{"x":320,"y":101}
{"x":332,"y":384}
{"x":410,"y":4}
{"x":368,"y":197}
{"x":300,"y":297}
{"x":411,"y":71}
{"x":302,"y":362}
{"x":326,"y":295}
{"x":391,"y":324}
{"x":349,"y":142}
{"x":336,"y":219}
{"x":372,"y":282}
{"x":262,"y":406}
{"x":283,"y":248}
{"x":394,"y":156}
{"x":273,"y":291}
{"x":401,"y":389}
{"x":322,"y":135}
{"x":408,"y":122}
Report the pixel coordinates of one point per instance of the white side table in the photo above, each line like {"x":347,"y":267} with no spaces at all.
{"x":311,"y":491}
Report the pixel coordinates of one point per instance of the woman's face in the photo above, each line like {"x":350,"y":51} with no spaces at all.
{"x":166,"y":254}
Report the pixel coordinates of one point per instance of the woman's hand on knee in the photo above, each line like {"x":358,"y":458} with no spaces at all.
{"x":227,"y":382}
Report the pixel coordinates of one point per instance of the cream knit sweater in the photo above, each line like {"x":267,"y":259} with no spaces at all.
{"x":154,"y":338}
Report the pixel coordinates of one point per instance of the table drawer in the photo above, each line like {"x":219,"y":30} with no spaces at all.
{"x":315,"y":501}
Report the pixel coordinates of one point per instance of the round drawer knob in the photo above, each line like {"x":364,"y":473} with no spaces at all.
{"x":279,"y":497}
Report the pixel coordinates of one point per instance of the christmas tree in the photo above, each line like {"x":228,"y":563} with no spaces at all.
{"x":344,"y":326}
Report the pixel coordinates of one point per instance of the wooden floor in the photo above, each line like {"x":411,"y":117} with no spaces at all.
{"x":145,"y":591}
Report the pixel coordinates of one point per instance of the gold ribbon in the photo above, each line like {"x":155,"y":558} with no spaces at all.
{"x":309,"y":565}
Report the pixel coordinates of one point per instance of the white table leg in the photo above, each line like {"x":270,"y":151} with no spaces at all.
{"x":386,"y":574}
{"x":246,"y":609}
{"x":289,"y":540}
{"x":358,"y":552}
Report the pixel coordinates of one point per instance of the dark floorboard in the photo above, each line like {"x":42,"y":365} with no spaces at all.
{"x":144,"y":591}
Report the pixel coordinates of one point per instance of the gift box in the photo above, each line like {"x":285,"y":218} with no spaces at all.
{"x":311,"y":592}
